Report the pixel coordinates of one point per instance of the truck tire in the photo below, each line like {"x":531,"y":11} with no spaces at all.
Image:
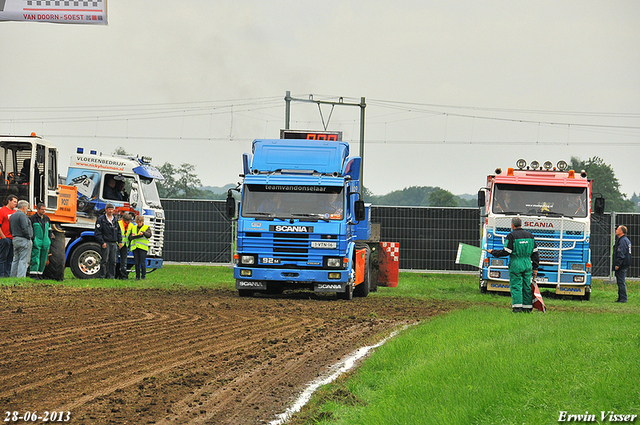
{"x":85,"y":261}
{"x":55,"y":264}
{"x":362,"y":290}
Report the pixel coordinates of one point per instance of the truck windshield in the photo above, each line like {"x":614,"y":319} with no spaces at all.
{"x":539,"y":200}
{"x":293,"y":201}
{"x":150,"y":192}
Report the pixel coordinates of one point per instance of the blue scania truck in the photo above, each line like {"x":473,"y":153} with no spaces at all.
{"x":301,"y":222}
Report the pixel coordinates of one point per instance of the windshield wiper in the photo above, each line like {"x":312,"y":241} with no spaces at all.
{"x":309,"y":215}
{"x":554,"y":213}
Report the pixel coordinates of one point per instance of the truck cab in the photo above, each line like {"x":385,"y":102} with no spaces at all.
{"x":29,"y":170}
{"x":555,"y":205}
{"x":300,"y":221}
{"x":127,"y":182}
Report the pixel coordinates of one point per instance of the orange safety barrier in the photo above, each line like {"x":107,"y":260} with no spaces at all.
{"x":389,"y":261}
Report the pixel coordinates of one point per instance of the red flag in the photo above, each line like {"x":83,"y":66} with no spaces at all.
{"x":538,"y":302}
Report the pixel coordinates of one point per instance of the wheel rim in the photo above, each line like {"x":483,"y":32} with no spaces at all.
{"x":89,"y":262}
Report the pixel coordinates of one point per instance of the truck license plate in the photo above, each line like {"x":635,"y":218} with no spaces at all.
{"x":325,"y":245}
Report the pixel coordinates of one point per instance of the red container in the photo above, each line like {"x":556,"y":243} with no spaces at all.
{"x":389,"y":260}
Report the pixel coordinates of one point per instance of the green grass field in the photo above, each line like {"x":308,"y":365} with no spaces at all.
{"x":478,"y":365}
{"x":486,"y":365}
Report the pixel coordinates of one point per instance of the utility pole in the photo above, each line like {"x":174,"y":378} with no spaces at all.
{"x":362,"y":105}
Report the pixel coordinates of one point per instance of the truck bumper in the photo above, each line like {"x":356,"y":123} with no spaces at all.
{"x":154,"y":263}
{"x":318,"y":278}
{"x":577,"y":289}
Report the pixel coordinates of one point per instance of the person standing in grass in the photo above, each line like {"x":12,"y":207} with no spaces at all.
{"x":125,"y":228}
{"x":139,"y":237}
{"x":22,"y":233}
{"x":621,"y":261}
{"x":41,"y":241}
{"x":523,"y":265}
{"x":6,"y":240}
{"x":108,"y":235}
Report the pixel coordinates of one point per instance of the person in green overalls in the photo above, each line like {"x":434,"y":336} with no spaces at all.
{"x":41,"y":241}
{"x":523,"y":265}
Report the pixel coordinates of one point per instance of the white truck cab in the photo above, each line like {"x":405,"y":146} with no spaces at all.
{"x":127,"y":182}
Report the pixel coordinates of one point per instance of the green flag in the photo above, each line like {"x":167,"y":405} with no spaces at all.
{"x":469,"y":254}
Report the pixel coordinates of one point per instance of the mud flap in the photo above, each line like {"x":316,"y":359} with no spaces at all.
{"x":252,"y":285}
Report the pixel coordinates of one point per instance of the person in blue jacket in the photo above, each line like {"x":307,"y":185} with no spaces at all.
{"x":108,"y":235}
{"x":621,"y":261}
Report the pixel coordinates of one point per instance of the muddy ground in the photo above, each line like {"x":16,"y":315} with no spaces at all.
{"x":178,"y":357}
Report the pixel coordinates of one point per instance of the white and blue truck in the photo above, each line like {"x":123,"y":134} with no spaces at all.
{"x":556,"y":205}
{"x":29,"y":169}
{"x":134,"y":190}
{"x":301,"y":221}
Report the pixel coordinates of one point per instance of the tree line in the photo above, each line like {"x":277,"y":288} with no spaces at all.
{"x":182,"y":182}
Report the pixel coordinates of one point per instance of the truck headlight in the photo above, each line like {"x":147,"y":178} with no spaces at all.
{"x":578,"y":279}
{"x":247,"y":259}
{"x":577,"y":266}
{"x":494,"y":274}
{"x":333,"y":262}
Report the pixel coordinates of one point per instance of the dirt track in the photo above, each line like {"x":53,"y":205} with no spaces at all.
{"x":152,"y":356}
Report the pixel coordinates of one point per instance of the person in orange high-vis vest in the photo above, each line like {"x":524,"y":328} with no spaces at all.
{"x":139,"y":237}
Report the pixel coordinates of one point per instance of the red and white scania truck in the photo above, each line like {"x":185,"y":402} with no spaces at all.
{"x":555,"y":205}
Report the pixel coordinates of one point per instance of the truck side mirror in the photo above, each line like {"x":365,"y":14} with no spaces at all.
{"x":359,"y":210}
{"x":481,"y":198}
{"x":133,"y":196}
{"x":598,"y":206}
{"x":231,"y":205}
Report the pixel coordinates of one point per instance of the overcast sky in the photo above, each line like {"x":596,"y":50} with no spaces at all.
{"x":453,"y":89}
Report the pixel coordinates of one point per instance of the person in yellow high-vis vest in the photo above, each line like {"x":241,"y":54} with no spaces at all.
{"x":125,"y":229}
{"x":139,"y":238}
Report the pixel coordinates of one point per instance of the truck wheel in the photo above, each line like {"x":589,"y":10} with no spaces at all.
{"x":85,"y":261}
{"x":55,"y":266}
{"x":362,"y":290}
{"x":587,"y":293}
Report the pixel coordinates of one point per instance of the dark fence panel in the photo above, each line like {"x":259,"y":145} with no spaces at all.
{"x":196,"y":231}
{"x":601,"y":246}
{"x":428,"y":237}
{"x":199,"y":231}
{"x":632,"y":222}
